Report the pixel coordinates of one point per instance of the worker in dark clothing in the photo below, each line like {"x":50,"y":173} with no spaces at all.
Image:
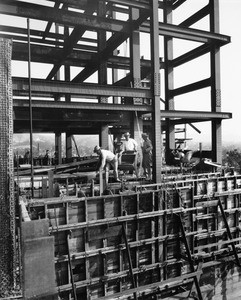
{"x":118,"y":148}
{"x":147,"y":155}
{"x":27,"y":157}
{"x":107,"y":159}
{"x":47,"y":160}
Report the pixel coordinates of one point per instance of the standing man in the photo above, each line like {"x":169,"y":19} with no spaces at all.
{"x":107,"y":159}
{"x":147,"y":155}
{"x":129,"y":144}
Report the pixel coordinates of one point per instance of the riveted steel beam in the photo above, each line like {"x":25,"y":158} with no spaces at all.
{"x":64,"y":17}
{"x":191,"y":87}
{"x":63,"y":88}
{"x":186,"y":57}
{"x":21,"y":103}
{"x":191,"y":34}
{"x":196,"y":17}
{"x":175,"y":115}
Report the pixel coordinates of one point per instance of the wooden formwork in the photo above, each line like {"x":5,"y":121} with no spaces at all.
{"x":132,"y":246}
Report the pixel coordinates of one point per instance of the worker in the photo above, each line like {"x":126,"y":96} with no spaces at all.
{"x":107,"y":159}
{"x":147,"y":155}
{"x":27,"y":157}
{"x":130,"y":147}
{"x":47,"y":160}
{"x":129,"y":144}
{"x":118,"y":147}
{"x":180,"y":156}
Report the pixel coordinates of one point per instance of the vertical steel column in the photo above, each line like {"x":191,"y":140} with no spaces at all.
{"x":215,"y":84}
{"x":104,"y":137}
{"x":155,"y":86}
{"x":30,"y":110}
{"x":102,"y":71}
{"x":135,"y":70}
{"x":7,"y":201}
{"x":58,"y":147}
{"x":101,"y":38}
{"x":169,"y":79}
{"x":67,"y":76}
{"x":115,"y":53}
{"x":58,"y":140}
{"x":69,"y":147}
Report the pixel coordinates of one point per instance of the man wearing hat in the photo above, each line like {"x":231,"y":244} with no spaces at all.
{"x":147,"y":155}
{"x":107,"y":159}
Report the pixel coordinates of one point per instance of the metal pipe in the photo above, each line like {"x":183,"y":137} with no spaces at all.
{"x":30,"y":110}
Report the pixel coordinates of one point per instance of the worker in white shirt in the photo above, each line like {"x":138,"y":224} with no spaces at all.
{"x":129,"y":144}
{"x":107,"y":159}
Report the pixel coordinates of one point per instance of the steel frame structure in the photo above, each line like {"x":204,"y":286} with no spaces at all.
{"x":87,"y":35}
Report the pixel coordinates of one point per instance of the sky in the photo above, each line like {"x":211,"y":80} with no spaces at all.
{"x":230,"y":24}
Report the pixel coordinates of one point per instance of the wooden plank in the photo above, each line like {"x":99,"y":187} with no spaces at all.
{"x":38,"y":271}
{"x":104,"y":233}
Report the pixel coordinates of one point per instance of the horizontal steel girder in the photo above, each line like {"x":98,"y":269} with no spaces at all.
{"x":192,"y":116}
{"x":172,"y":114}
{"x":63,"y":88}
{"x":27,"y":10}
{"x":80,"y":105}
{"x":69,"y":18}
{"x":51,"y":55}
{"x":133,"y":3}
{"x":191,"y":34}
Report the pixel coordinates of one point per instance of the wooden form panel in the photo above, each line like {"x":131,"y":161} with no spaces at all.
{"x":149,"y":217}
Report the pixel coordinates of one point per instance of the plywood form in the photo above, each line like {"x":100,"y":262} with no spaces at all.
{"x":150,"y":218}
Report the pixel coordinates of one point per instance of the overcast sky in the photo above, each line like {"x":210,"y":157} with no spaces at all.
{"x":230,"y":24}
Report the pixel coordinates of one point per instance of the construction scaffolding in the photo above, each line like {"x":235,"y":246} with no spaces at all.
{"x":156,"y":240}
{"x":179,"y":237}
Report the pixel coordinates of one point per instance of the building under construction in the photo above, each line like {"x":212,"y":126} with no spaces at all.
{"x":102,"y":68}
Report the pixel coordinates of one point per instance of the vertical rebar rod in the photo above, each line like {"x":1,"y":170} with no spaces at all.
{"x":30,"y":109}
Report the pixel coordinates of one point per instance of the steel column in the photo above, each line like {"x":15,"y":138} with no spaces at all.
{"x":215,"y":84}
{"x":169,"y":80}
{"x":155,"y":86}
{"x":7,"y":201}
{"x":101,"y":37}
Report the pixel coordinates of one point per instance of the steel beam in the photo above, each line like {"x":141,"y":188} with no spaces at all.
{"x":78,"y":58}
{"x":195,"y":53}
{"x":21,"y":103}
{"x":202,"y":115}
{"x":40,"y":34}
{"x":69,"y":18}
{"x":191,"y":87}
{"x":191,"y":116}
{"x":196,"y":17}
{"x":72,"y":40}
{"x":113,"y":42}
{"x":63,"y":88}
{"x":191,"y":34}
{"x":135,"y":4}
